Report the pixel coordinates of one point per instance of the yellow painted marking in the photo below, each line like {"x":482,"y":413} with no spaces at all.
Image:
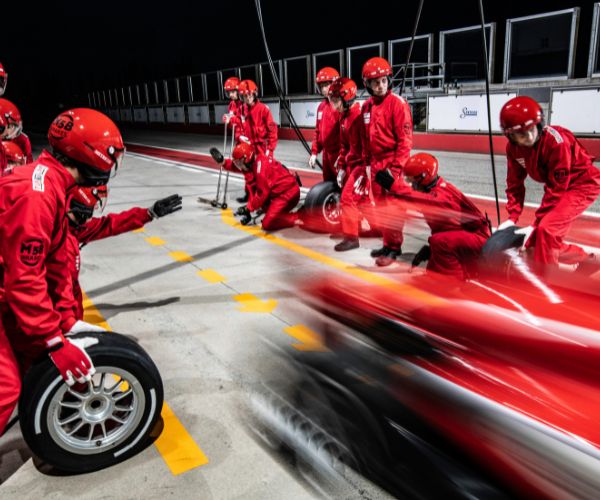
{"x":367,"y":276}
{"x":155,"y":241}
{"x":309,"y":340}
{"x":177,"y":448}
{"x":211,"y":276}
{"x":181,"y":256}
{"x":139,"y":230}
{"x":252,"y":303}
{"x":92,"y":315}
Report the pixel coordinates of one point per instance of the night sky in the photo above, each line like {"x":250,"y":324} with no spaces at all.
{"x":58,"y":51}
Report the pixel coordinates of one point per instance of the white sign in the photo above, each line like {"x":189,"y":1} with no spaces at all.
{"x":577,"y":110}
{"x":175,"y":114}
{"x":140,"y":115}
{"x":156,"y":115}
{"x":198,"y":114}
{"x":126,"y":115}
{"x":464,"y":113}
{"x":305,"y":112}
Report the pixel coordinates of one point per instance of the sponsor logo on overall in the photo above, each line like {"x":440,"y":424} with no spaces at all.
{"x":521,"y":161}
{"x":319,"y":115}
{"x":367,"y":118}
{"x":560,"y":175}
{"x":37,"y":178}
{"x":31,"y":251}
{"x":467,"y":112}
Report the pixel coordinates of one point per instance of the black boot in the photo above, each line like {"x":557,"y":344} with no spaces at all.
{"x":346,"y":244}
{"x":243,"y":199}
{"x":388,"y":258}
{"x":378,"y":252}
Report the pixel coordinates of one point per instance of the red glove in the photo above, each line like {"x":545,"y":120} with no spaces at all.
{"x":70,"y":358}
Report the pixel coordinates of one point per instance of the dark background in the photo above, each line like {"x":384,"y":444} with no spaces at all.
{"x":58,"y":51}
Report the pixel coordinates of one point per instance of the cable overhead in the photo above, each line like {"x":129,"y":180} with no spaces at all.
{"x":489,"y":115}
{"x":278,"y":87}
{"x":410,"y":47}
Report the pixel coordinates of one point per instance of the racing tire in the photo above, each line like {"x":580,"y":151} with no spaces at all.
{"x":494,"y":258}
{"x":321,"y":209}
{"x":90,"y":426}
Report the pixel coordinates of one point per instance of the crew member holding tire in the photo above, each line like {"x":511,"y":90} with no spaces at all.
{"x":277,"y":191}
{"x":458,"y":228}
{"x":387,"y":141}
{"x":83,"y":228}
{"x":351,"y":171}
{"x":36,"y":296}
{"x":14,"y":128}
{"x":553,"y":156}
{"x":327,"y":129}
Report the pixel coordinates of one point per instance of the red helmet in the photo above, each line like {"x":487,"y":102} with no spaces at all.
{"x":520,"y":114}
{"x":3,"y":79}
{"x":327,"y":74}
{"x":376,"y":67}
{"x":243,"y":151}
{"x":422,"y":167}
{"x":12,"y":116}
{"x":14,"y":154}
{"x":231,"y":84}
{"x":84,"y":200}
{"x":247,"y":87}
{"x":91,"y":141}
{"x":345,"y":88}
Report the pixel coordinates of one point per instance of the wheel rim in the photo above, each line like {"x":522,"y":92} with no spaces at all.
{"x":331,"y":208}
{"x":90,"y":418}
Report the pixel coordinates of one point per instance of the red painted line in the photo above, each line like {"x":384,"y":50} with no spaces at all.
{"x":585,"y":230}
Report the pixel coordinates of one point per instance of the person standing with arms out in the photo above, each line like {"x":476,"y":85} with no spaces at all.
{"x":327,"y":129}
{"x":387,"y":141}
{"x":36,"y":295}
{"x":553,"y":156}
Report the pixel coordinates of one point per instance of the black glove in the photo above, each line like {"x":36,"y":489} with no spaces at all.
{"x":165,"y":206}
{"x":217,"y":155}
{"x":421,"y":256}
{"x":241,"y":210}
{"x":384,"y":179}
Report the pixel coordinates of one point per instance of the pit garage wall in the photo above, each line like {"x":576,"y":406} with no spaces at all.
{"x":454,"y":123}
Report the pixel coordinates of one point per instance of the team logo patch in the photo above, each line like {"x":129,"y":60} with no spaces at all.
{"x":37,"y":178}
{"x":560,"y":175}
{"x":367,"y":117}
{"x":319,"y":115}
{"x":31,"y":252}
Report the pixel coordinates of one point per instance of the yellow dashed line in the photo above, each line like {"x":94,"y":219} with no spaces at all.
{"x":211,"y":276}
{"x":309,"y":340}
{"x":155,"y":241}
{"x":181,"y":256}
{"x":367,"y":276}
{"x":252,"y":303}
{"x":177,"y":448}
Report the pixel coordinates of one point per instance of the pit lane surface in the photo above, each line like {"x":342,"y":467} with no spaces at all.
{"x":200,"y":294}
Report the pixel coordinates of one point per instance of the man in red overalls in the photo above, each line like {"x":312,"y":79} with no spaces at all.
{"x":553,"y":156}
{"x":327,"y":129}
{"x":276,"y":190}
{"x":14,"y":128}
{"x":387,"y":141}
{"x":36,"y":296}
{"x":458,"y":228}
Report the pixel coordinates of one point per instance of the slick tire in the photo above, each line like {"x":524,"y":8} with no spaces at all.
{"x":91,"y":426}
{"x":321,"y":209}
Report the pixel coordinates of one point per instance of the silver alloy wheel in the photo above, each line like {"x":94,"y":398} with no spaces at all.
{"x":331,"y":208}
{"x":99,"y":415}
